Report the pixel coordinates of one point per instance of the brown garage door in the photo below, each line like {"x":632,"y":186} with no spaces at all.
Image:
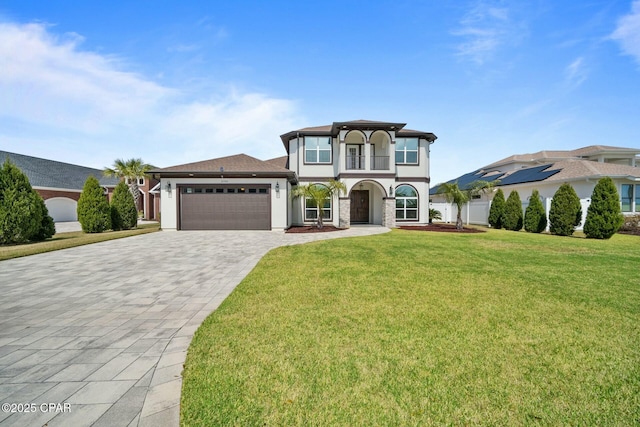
{"x":225,"y":207}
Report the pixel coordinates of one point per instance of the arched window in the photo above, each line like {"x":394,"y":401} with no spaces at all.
{"x":406,"y":203}
{"x":311,"y":210}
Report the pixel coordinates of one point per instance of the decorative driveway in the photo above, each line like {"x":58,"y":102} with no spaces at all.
{"x":97,"y":335}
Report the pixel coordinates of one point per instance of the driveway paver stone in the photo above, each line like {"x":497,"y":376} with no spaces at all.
{"x":104,"y":328}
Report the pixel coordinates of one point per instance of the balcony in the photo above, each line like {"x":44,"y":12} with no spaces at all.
{"x":380,"y":163}
{"x":355,"y":162}
{"x":359,"y":162}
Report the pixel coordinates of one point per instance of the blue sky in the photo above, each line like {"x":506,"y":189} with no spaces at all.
{"x":174,"y":82}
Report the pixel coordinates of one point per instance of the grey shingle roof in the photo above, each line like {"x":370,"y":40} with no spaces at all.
{"x":236,"y":163}
{"x":53,"y":174}
{"x":551,"y":155}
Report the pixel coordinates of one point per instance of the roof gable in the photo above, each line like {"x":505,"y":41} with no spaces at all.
{"x":235,"y":163}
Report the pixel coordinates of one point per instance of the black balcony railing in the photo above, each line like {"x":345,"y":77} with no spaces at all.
{"x":380,"y":163}
{"x":355,"y":162}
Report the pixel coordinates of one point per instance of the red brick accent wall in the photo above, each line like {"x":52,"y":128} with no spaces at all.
{"x":50,"y":194}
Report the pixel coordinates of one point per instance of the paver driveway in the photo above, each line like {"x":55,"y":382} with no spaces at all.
{"x":104,"y":328}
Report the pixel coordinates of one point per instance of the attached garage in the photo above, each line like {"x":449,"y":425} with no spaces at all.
{"x":236,"y":192}
{"x":225,"y":207}
{"x":62,"y":209}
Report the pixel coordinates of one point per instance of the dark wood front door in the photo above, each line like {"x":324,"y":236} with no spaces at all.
{"x":359,"y":206}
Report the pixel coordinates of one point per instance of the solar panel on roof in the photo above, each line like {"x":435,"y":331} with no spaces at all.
{"x":465,"y":181}
{"x":534,"y":174}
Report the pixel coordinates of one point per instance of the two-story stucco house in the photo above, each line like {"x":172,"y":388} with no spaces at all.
{"x":384,"y":166}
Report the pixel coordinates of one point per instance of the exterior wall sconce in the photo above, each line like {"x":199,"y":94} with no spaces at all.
{"x":169,"y":188}
{"x":277,"y":188}
{"x":391,"y":190}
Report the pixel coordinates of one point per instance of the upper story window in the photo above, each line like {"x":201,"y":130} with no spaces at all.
{"x":140,"y":181}
{"x":317,"y":149}
{"x":406,"y":151}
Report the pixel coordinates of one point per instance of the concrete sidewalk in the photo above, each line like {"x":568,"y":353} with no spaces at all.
{"x":104,"y":328}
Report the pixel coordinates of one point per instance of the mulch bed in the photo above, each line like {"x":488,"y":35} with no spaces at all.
{"x":441,"y":228}
{"x":312,"y":229}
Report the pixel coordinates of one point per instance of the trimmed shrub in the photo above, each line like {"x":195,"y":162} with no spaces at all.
{"x":94,"y":213}
{"x":604,"y":216}
{"x":434,"y":214}
{"x":20,"y":216}
{"x":535,"y":219}
{"x":496,"y":212}
{"x":124,"y":215}
{"x":513,"y":212}
{"x":565,"y":213}
{"x":47,"y":228}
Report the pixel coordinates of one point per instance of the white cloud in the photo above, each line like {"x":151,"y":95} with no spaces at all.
{"x":576,"y":72}
{"x":54,"y":90}
{"x":627,"y":32}
{"x":484,"y":28}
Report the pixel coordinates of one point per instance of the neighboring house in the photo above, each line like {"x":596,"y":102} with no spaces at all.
{"x":149,"y":200}
{"x":546,"y":171}
{"x":59,"y":184}
{"x":384,"y":166}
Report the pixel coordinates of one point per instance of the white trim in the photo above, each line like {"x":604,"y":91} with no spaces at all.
{"x":57,"y":189}
{"x":156,"y":189}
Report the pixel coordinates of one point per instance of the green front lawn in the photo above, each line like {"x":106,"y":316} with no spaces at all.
{"x":69,"y":240}
{"x":414,"y":328}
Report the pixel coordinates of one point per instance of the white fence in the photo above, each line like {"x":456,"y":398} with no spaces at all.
{"x":477,"y":212}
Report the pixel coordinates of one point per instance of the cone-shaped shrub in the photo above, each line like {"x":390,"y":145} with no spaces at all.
{"x":496,"y":212}
{"x":513,"y":212}
{"x":124,"y":215}
{"x":47,"y":228}
{"x":20,"y":215}
{"x":565,"y":213}
{"x":535,"y":219}
{"x":94,"y":213}
{"x":604,"y":217}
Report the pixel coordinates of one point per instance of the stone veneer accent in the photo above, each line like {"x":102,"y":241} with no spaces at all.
{"x":389,"y":212}
{"x":345,"y":213}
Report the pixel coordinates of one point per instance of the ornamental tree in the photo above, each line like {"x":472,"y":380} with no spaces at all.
{"x":130,"y":170}
{"x":459,"y":196}
{"x":496,"y":212}
{"x":94,"y":213}
{"x":23,"y":214}
{"x":513,"y":212}
{"x":604,"y":217}
{"x":565,"y":213}
{"x":319,"y":194}
{"x":124,"y":215}
{"x":535,"y":218}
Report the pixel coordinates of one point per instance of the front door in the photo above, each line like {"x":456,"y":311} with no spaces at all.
{"x":354,"y":159}
{"x":360,"y":206}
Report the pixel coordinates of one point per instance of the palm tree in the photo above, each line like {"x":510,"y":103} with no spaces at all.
{"x":319,"y":194}
{"x":130,"y":170}
{"x":458,"y":196}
